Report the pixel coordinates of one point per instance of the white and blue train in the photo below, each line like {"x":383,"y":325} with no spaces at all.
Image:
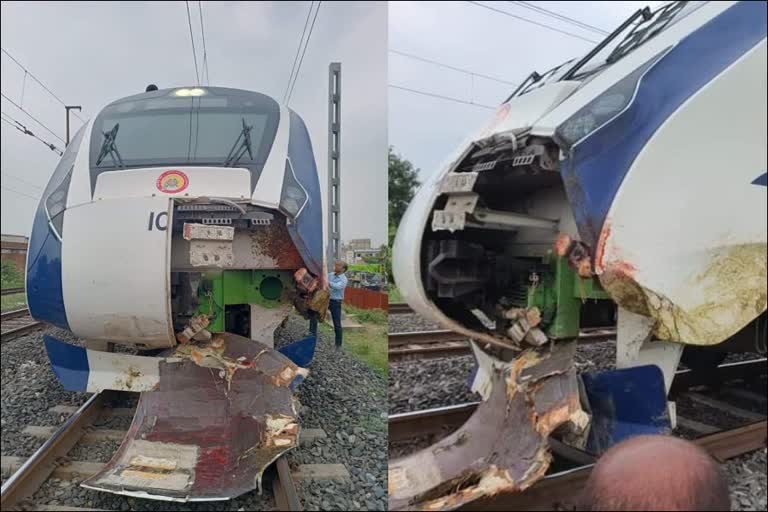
{"x":185,"y":223}
{"x":625,"y":186}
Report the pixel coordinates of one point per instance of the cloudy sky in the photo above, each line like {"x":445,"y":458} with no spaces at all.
{"x":426,"y":130}
{"x":92,"y":53}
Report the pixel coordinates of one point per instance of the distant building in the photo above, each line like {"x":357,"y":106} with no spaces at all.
{"x":357,"y":244}
{"x":14,"y":248}
{"x":353,"y":250}
{"x":358,"y":256}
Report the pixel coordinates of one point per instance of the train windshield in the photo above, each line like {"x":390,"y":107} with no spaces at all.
{"x":211,"y":127}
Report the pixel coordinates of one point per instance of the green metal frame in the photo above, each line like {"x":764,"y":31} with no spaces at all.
{"x":268,"y":288}
{"x":559,"y":296}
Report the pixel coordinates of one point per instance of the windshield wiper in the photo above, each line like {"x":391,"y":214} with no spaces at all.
{"x":108,"y":147}
{"x":241,"y":145}
{"x":645,"y":13}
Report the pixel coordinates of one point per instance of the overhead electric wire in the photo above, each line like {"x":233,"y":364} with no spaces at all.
{"x":30,"y":115}
{"x":561,"y":17}
{"x":20,"y":193}
{"x":191,"y":37}
{"x":549,"y":27}
{"x":38,"y":81}
{"x":205,"y":50}
{"x":440,"y":96}
{"x":298,"y":68}
{"x":298,"y":50}
{"x":448,"y":66}
{"x":21,"y":180}
{"x":23,"y":129}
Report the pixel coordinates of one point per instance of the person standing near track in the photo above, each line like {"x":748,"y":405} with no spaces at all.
{"x":337,"y":281}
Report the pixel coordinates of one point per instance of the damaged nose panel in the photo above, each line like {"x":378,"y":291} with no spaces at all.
{"x":221,"y":412}
{"x":503,"y":447}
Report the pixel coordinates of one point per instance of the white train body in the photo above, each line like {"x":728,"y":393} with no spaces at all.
{"x":109,"y":245}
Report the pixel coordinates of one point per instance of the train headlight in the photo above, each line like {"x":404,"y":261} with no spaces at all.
{"x":294,"y":196}
{"x":601,"y":110}
{"x":189,"y":92}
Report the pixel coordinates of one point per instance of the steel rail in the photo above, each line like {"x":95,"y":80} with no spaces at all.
{"x":11,"y":291}
{"x":284,"y":488}
{"x":445,"y":343}
{"x":20,"y":331}
{"x":37,"y":468}
{"x":400,"y":339}
{"x":399,"y":308}
{"x":8,"y":334}
{"x":15,"y":313}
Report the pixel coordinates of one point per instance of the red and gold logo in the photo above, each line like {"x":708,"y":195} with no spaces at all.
{"x":172,"y":181}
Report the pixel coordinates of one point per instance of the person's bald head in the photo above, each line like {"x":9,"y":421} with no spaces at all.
{"x":656,"y":473}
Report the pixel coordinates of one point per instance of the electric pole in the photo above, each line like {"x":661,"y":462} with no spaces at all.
{"x":334,"y":162}
{"x":68,"y":108}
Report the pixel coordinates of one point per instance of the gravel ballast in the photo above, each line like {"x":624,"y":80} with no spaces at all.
{"x":341,"y":395}
{"x":411,"y":322}
{"x":747,"y":481}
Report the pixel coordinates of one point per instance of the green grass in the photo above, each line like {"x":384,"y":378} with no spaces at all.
{"x":368,"y":344}
{"x":373,"y":268}
{"x":394,"y":295}
{"x":14,"y":301}
{"x":374,"y":316}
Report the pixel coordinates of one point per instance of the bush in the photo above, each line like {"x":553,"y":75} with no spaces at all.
{"x":10,"y":276}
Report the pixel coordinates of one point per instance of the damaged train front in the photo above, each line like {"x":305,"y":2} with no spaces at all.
{"x":184,"y":226}
{"x":504,"y":246}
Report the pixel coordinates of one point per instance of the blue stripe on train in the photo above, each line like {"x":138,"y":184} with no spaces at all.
{"x":761,"y":180}
{"x":596,"y":167}
{"x":69,"y":363}
{"x":45,"y":296}
{"x":307,"y":231}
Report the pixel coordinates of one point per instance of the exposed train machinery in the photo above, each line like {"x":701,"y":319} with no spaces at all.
{"x":184,"y":225}
{"x":610,"y":191}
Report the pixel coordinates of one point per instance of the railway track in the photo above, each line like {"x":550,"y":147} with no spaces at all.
{"x":558,"y":488}
{"x":17,"y":323}
{"x":405,"y":346}
{"x":399,"y":308}
{"x":11,"y":291}
{"x":51,"y":459}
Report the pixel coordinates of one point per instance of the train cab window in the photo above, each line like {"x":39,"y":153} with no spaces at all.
{"x":55,"y":194}
{"x":57,"y":203}
{"x":218,"y":128}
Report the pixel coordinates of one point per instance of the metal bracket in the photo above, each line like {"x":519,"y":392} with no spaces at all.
{"x":453,"y":217}
{"x":458,"y":182}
